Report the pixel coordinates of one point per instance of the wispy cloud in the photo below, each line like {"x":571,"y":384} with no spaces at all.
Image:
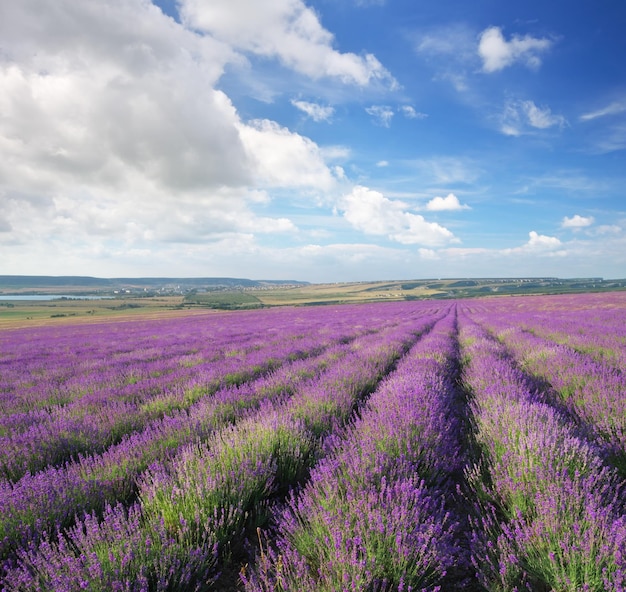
{"x":450,"y":50}
{"x":409,"y":112}
{"x":448,"y":170}
{"x":455,"y":41}
{"x":606,"y":127}
{"x":497,"y":53}
{"x":610,"y":138}
{"x":518,"y":117}
{"x":382,"y":114}
{"x":315,"y":111}
{"x":568,"y":181}
{"x":612,"y":109}
{"x":609,"y":229}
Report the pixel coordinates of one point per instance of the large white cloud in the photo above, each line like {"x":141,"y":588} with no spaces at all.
{"x":115,"y":139}
{"x":283,"y":29}
{"x":89,"y":96}
{"x":283,"y":158}
{"x":372,"y":213}
{"x":497,"y":53}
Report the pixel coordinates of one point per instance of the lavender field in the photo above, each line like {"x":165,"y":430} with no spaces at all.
{"x":405,"y":446}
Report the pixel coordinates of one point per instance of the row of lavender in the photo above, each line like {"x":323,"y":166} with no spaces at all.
{"x":549,"y":510}
{"x":69,"y":392}
{"x":579,"y":351}
{"x":379,"y":512}
{"x":589,"y":323}
{"x":483,"y":480}
{"x":199,"y":496}
{"x":474,"y":464}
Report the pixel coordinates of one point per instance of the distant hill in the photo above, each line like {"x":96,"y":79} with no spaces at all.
{"x":235,"y":293}
{"x":41,"y":283}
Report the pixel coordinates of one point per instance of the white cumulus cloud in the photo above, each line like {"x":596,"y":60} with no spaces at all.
{"x":372,"y":213}
{"x":450,"y":202}
{"x":577,"y":221}
{"x":537,"y":245}
{"x":115,"y":138}
{"x":541,"y":242}
{"x":284,"y":158}
{"x":497,"y":53}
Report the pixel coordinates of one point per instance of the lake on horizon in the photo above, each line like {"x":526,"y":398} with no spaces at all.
{"x":48,"y":297}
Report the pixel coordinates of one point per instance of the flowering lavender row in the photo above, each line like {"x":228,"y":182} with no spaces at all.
{"x":215,"y":485}
{"x":594,"y":324}
{"x":591,"y":390}
{"x":51,"y":498}
{"x":105,"y":411}
{"x":118,"y":552}
{"x":549,"y":512}
{"x":49,"y":367}
{"x":44,"y":367}
{"x":231,"y":411}
{"x":223,"y":485}
{"x":603,"y":337}
{"x":67,"y":436}
{"x":103,"y":420}
{"x":376,"y":512}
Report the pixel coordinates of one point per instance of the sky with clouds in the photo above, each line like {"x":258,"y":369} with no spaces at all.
{"x":316,"y":140}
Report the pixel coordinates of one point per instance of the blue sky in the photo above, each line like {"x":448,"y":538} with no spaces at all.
{"x":326,"y":140}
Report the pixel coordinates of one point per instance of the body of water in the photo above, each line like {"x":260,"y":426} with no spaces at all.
{"x":48,"y":297}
